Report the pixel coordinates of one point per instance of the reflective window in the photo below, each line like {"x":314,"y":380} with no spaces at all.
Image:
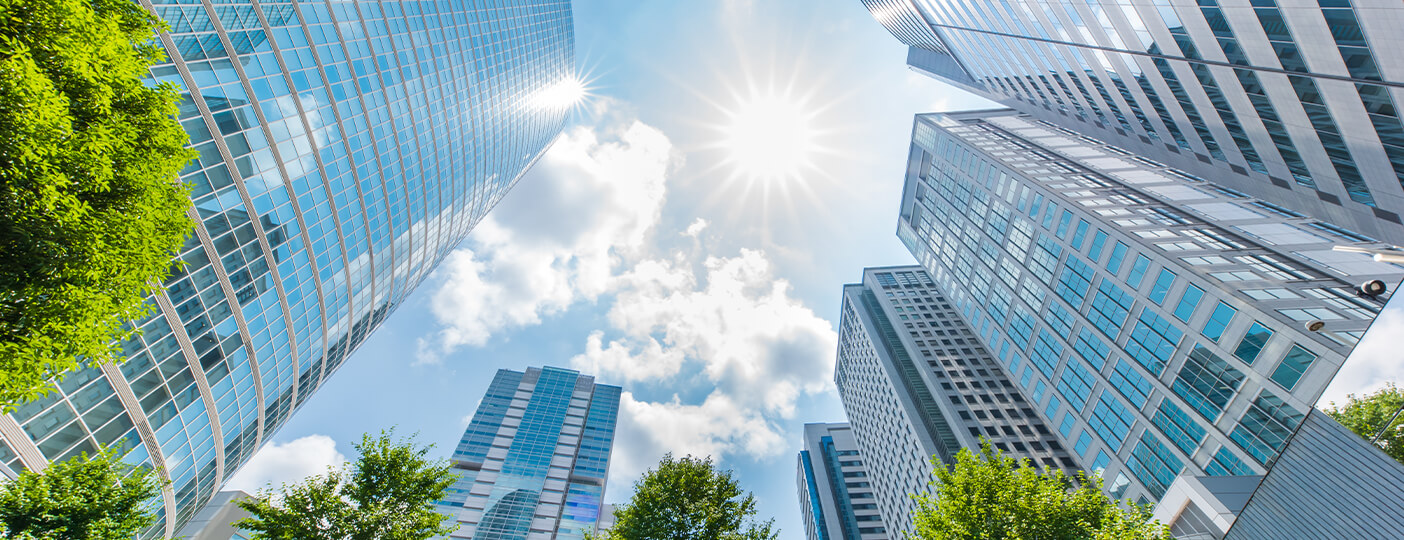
{"x":1225,"y":463}
{"x":1098,"y":241}
{"x":1138,"y":272}
{"x":1188,"y":302}
{"x":1265,"y":427}
{"x":1154,"y":464}
{"x":1207,"y":382}
{"x":1117,"y":255}
{"x":1252,"y":343}
{"x":1083,"y":441}
{"x":1111,"y":420}
{"x":1218,"y":321}
{"x":1182,"y":430}
{"x":1130,"y":383}
{"x":1109,"y":308}
{"x":1293,"y":366}
{"x":1153,"y":341}
{"x":1161,"y":287}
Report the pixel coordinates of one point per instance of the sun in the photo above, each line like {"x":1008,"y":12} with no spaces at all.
{"x":770,"y":136}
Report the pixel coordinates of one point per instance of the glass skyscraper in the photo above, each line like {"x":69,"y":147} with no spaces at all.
{"x":835,"y":491}
{"x":916,"y":383}
{"x":1293,"y":103}
{"x":533,"y":462}
{"x":1160,"y":321}
{"x":344,"y":149}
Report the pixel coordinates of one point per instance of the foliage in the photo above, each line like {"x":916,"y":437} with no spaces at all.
{"x":81,"y":498}
{"x":991,"y":496}
{"x":388,"y":494}
{"x":1366,"y":416}
{"x":91,"y":209}
{"x":689,"y":499}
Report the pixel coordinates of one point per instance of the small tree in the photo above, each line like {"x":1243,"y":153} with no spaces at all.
{"x":991,"y":496}
{"x":689,"y":499}
{"x":91,"y":209}
{"x":1367,"y":417}
{"x":388,"y":493}
{"x":86,"y":497}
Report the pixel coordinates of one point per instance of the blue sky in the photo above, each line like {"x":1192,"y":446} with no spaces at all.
{"x":639,"y":252}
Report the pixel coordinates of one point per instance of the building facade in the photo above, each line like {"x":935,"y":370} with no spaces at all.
{"x":836,"y":497}
{"x":344,"y":149}
{"x":1158,"y":320}
{"x":917,"y":384}
{"x":1293,"y":103}
{"x":533,"y":462}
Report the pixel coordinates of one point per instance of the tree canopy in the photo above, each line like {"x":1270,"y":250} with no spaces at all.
{"x":991,"y":496}
{"x":689,"y":499}
{"x":1366,"y":416}
{"x":82,"y":498}
{"x":91,"y":207}
{"x":388,"y":493}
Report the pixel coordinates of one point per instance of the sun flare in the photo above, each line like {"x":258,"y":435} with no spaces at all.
{"x":770,"y":137}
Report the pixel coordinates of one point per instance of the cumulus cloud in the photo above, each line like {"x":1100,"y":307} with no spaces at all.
{"x":696,"y":228}
{"x":556,"y":238}
{"x":290,"y":462}
{"x":719,"y":426}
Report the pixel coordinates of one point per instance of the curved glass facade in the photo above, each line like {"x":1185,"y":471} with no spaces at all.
{"x":344,"y":149}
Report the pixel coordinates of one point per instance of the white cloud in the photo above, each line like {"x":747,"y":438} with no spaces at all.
{"x":696,"y":228}
{"x":1374,"y":362}
{"x":556,"y":238}
{"x":717,"y":427}
{"x":290,"y":462}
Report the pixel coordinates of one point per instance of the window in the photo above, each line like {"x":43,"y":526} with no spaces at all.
{"x":1046,"y":352}
{"x":1111,"y":420}
{"x":1218,"y":321}
{"x":1092,"y":349}
{"x":1076,"y":384}
{"x":1066,"y":428}
{"x":1154,"y":464}
{"x":1162,"y":286}
{"x":1038,"y":390}
{"x":1138,"y":272}
{"x":1206,"y":382}
{"x":1109,"y":308}
{"x":1130,"y":383}
{"x":1052,"y":409}
{"x":1225,"y":463}
{"x":1188,"y":302}
{"x":1265,"y":427}
{"x":1100,"y":464}
{"x":1117,"y":255}
{"x":1252,"y":343}
{"x":1074,"y":281}
{"x":1079,"y":235}
{"x":1153,"y":341}
{"x":1098,"y":241}
{"x":1182,"y":430}
{"x":1083,"y":441}
{"x":1293,"y":366}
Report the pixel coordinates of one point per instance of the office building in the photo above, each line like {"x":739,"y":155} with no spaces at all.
{"x":1165,"y":316}
{"x":344,"y":148}
{"x":533,"y":462}
{"x":1294,"y":104}
{"x":836,"y":497}
{"x":916,"y":383}
{"x":215,"y":521}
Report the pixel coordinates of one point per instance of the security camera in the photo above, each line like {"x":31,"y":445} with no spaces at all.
{"x":1371,"y":288}
{"x":1315,"y":325}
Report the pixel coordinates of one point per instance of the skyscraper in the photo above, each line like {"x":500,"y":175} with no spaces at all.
{"x":1172,"y":319}
{"x":534,"y":460}
{"x":344,"y":149}
{"x":916,"y":383}
{"x":1293,"y":104}
{"x":836,"y":496}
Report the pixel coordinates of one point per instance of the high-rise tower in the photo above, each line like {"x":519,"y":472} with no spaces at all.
{"x":1174,"y":321}
{"x":1293,"y":104}
{"x":533,"y":462}
{"x":344,"y":149}
{"x":916,"y":383}
{"x":835,"y":494}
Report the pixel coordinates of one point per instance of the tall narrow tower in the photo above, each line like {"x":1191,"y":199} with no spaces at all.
{"x":344,"y":149}
{"x":533,"y":462}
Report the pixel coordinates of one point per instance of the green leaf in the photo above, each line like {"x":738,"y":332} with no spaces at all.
{"x":689,"y":499}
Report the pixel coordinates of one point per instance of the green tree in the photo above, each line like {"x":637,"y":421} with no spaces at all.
{"x":689,"y":499}
{"x":1367,"y":417}
{"x":91,"y":207}
{"x":82,"y":498}
{"x":992,"y":496}
{"x":388,"y":494}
